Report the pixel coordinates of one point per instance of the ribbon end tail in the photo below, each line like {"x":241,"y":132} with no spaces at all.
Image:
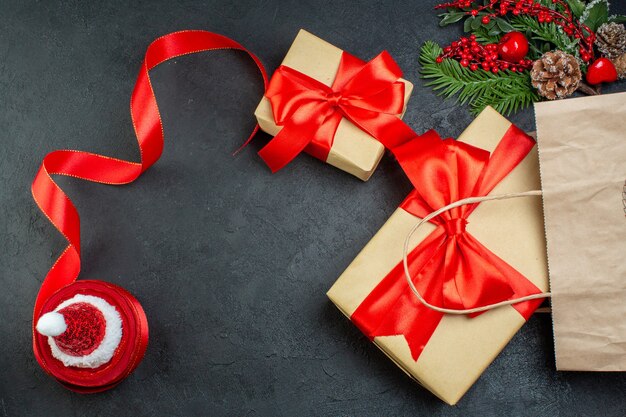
{"x":247,"y":142}
{"x":271,"y":162}
{"x":282,"y":149}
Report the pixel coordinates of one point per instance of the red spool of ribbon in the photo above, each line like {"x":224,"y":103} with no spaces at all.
{"x":131,"y":349}
{"x":60,"y":285}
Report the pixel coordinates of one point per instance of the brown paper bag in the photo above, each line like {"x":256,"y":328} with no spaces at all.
{"x":582,"y":152}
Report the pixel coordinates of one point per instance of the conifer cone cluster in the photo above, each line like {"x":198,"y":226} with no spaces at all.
{"x":556,"y":75}
{"x":620,"y":65}
{"x":611,"y":40}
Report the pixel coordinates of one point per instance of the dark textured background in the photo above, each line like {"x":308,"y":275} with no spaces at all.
{"x":230,"y":263}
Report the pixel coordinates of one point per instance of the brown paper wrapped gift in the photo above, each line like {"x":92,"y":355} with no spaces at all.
{"x":353,"y":150}
{"x":459,"y":348}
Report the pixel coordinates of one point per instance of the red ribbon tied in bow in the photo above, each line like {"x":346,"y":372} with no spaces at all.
{"x":450,"y":267}
{"x":368,"y":94}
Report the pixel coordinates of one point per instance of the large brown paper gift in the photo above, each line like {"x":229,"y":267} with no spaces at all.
{"x":460,"y":348}
{"x":353,"y":150}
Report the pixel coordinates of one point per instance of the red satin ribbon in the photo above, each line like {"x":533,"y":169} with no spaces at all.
{"x":451,"y":268}
{"x":97,"y":168}
{"x":368,"y":94}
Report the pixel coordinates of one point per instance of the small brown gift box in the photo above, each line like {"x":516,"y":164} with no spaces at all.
{"x":353,"y":150}
{"x":460,"y":348}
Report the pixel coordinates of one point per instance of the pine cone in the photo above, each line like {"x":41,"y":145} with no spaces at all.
{"x":556,"y":75}
{"x":620,"y":65}
{"x":611,"y":39}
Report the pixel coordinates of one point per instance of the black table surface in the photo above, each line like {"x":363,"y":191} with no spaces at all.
{"x":230,"y":262}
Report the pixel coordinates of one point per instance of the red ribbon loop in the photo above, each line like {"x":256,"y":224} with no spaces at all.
{"x":92,"y":167}
{"x":451,"y":268}
{"x":368,"y":94}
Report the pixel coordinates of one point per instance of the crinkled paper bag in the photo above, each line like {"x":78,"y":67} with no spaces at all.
{"x":582,"y":153}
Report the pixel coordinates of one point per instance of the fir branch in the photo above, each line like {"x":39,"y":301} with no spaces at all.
{"x":505,"y":91}
{"x":546,"y":32}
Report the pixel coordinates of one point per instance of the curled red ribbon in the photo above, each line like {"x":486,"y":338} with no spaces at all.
{"x":59,"y":284}
{"x":451,"y":268}
{"x":368,"y":94}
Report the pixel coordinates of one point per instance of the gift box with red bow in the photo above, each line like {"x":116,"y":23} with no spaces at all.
{"x":334,"y":106}
{"x":468,"y":257}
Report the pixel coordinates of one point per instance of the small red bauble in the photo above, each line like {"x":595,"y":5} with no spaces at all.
{"x":601,"y":71}
{"x":513,"y":46}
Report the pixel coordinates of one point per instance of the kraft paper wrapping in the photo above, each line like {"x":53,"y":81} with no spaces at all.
{"x":353,"y":150}
{"x":582,"y":148}
{"x":460,"y":348}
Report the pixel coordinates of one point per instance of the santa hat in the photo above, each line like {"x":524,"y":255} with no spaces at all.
{"x":83,"y":331}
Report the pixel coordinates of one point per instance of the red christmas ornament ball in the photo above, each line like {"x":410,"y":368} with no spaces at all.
{"x":513,"y":47}
{"x":601,"y":71}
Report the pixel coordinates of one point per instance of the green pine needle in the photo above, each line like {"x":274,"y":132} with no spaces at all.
{"x":506,"y":91}
{"x":549,"y":33}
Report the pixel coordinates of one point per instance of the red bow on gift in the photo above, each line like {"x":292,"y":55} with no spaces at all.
{"x":450,"y":267}
{"x":368,"y":94}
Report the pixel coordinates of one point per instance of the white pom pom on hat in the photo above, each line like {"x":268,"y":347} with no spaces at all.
{"x":51,"y":324}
